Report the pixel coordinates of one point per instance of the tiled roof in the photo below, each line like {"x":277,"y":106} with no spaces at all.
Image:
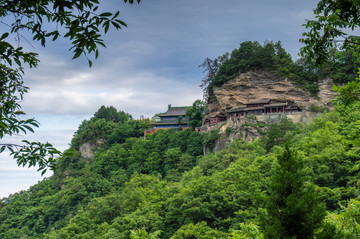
{"x":262,"y":101}
{"x":170,"y":122}
{"x":175,"y":111}
{"x":275,"y":105}
{"x":238,"y":109}
{"x":215,"y":114}
{"x":254,"y":108}
{"x":244,"y":109}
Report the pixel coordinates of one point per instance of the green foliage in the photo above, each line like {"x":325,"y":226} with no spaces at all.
{"x":248,"y":231}
{"x":94,"y":130}
{"x":229,"y":130}
{"x":253,"y":117}
{"x":268,"y":57}
{"x":332,"y":20}
{"x":279,"y":133}
{"x":345,"y":224}
{"x":349,"y":93}
{"x":318,"y":109}
{"x":211,"y":69}
{"x":109,"y":125}
{"x":44,"y":20}
{"x":210,"y":139}
{"x":12,"y":91}
{"x":293,"y":209}
{"x":197,"y":231}
{"x":128,"y":129}
{"x":195,"y":113}
{"x":341,"y":65}
{"x":111,"y":114}
{"x":142,"y":234}
{"x":81,"y":22}
{"x":305,"y":75}
{"x":138,"y":187}
{"x":249,"y":56}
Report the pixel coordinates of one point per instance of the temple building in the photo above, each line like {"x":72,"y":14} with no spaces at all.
{"x":263,"y":106}
{"x":257,"y":103}
{"x":173,"y":118}
{"x":213,"y":119}
{"x":255,"y":107}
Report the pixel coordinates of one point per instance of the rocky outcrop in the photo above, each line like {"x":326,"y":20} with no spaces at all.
{"x":87,"y":149}
{"x":246,"y":128}
{"x":326,"y":93}
{"x":256,"y":85}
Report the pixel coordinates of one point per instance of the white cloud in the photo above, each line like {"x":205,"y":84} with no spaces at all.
{"x":84,"y":91}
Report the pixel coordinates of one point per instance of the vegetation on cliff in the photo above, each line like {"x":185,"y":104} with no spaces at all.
{"x":341,"y":66}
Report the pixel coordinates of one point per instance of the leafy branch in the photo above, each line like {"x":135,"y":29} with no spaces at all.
{"x":81,"y":23}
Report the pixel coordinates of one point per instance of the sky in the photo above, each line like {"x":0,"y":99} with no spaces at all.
{"x":152,"y":63}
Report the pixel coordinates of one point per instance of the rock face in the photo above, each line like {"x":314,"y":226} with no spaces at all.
{"x":87,"y":149}
{"x":326,"y":92}
{"x":256,"y":85}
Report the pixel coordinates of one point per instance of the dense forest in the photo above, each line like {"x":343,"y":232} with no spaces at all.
{"x":297,"y":180}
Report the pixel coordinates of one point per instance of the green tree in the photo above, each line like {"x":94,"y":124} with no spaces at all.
{"x":293,"y":210}
{"x":333,"y":19}
{"x":348,"y":93}
{"x":111,"y":114}
{"x":143,"y":234}
{"x":211,"y":68}
{"x":78,"y":21}
{"x":195,"y":113}
{"x":251,"y":55}
{"x":198,"y":231}
{"x":342,"y":65}
{"x":282,"y":59}
{"x":248,"y":231}
{"x":345,"y":224}
{"x":210,"y":139}
{"x":179,"y":121}
{"x":279,"y":133}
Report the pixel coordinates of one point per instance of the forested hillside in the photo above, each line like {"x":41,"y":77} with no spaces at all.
{"x":295,"y":181}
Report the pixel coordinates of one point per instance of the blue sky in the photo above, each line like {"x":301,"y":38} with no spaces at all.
{"x":152,"y":63}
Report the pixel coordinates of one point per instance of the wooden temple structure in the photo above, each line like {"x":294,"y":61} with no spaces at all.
{"x":173,"y":118}
{"x":213,"y":119}
{"x":256,"y":107}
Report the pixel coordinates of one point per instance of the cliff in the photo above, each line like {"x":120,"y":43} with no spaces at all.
{"x":256,"y":85}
